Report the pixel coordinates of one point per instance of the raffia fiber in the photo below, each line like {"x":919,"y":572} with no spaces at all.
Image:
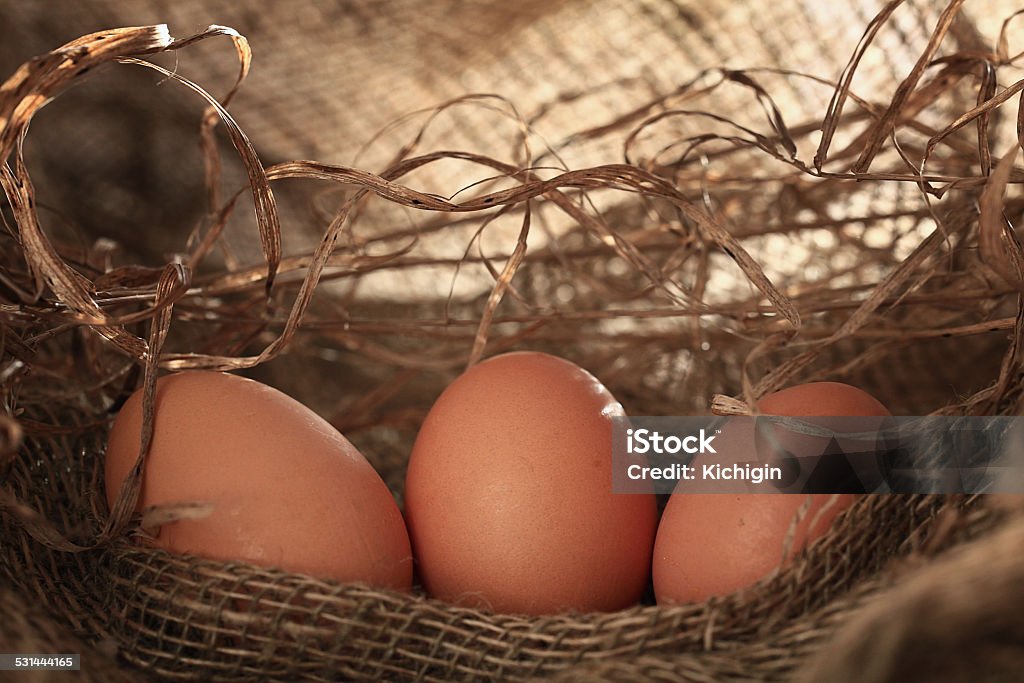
{"x":720,"y":250}
{"x":332,"y":75}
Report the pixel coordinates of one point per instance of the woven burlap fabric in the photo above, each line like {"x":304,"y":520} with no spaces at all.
{"x":192,"y":619}
{"x":186,"y":618}
{"x":930,"y":617}
{"x":910,"y":635}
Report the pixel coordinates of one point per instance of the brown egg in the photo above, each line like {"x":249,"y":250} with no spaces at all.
{"x":509,"y":493}
{"x":822,"y":398}
{"x":715,"y":544}
{"x":287,"y":490}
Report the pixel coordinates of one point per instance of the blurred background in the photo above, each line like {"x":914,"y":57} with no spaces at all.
{"x":329,"y":76}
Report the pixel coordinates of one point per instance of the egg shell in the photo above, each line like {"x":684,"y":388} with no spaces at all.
{"x":509,"y":493}
{"x":287,"y":489}
{"x":714,"y":544}
{"x":824,"y":399}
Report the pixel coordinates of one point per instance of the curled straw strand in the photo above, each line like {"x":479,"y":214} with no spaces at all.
{"x":20,"y":98}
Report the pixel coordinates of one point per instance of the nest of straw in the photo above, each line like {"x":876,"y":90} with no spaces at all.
{"x":712,"y":263}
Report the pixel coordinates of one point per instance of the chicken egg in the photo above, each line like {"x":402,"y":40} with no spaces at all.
{"x":509,"y":493}
{"x":285,"y":489}
{"x":714,"y":544}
